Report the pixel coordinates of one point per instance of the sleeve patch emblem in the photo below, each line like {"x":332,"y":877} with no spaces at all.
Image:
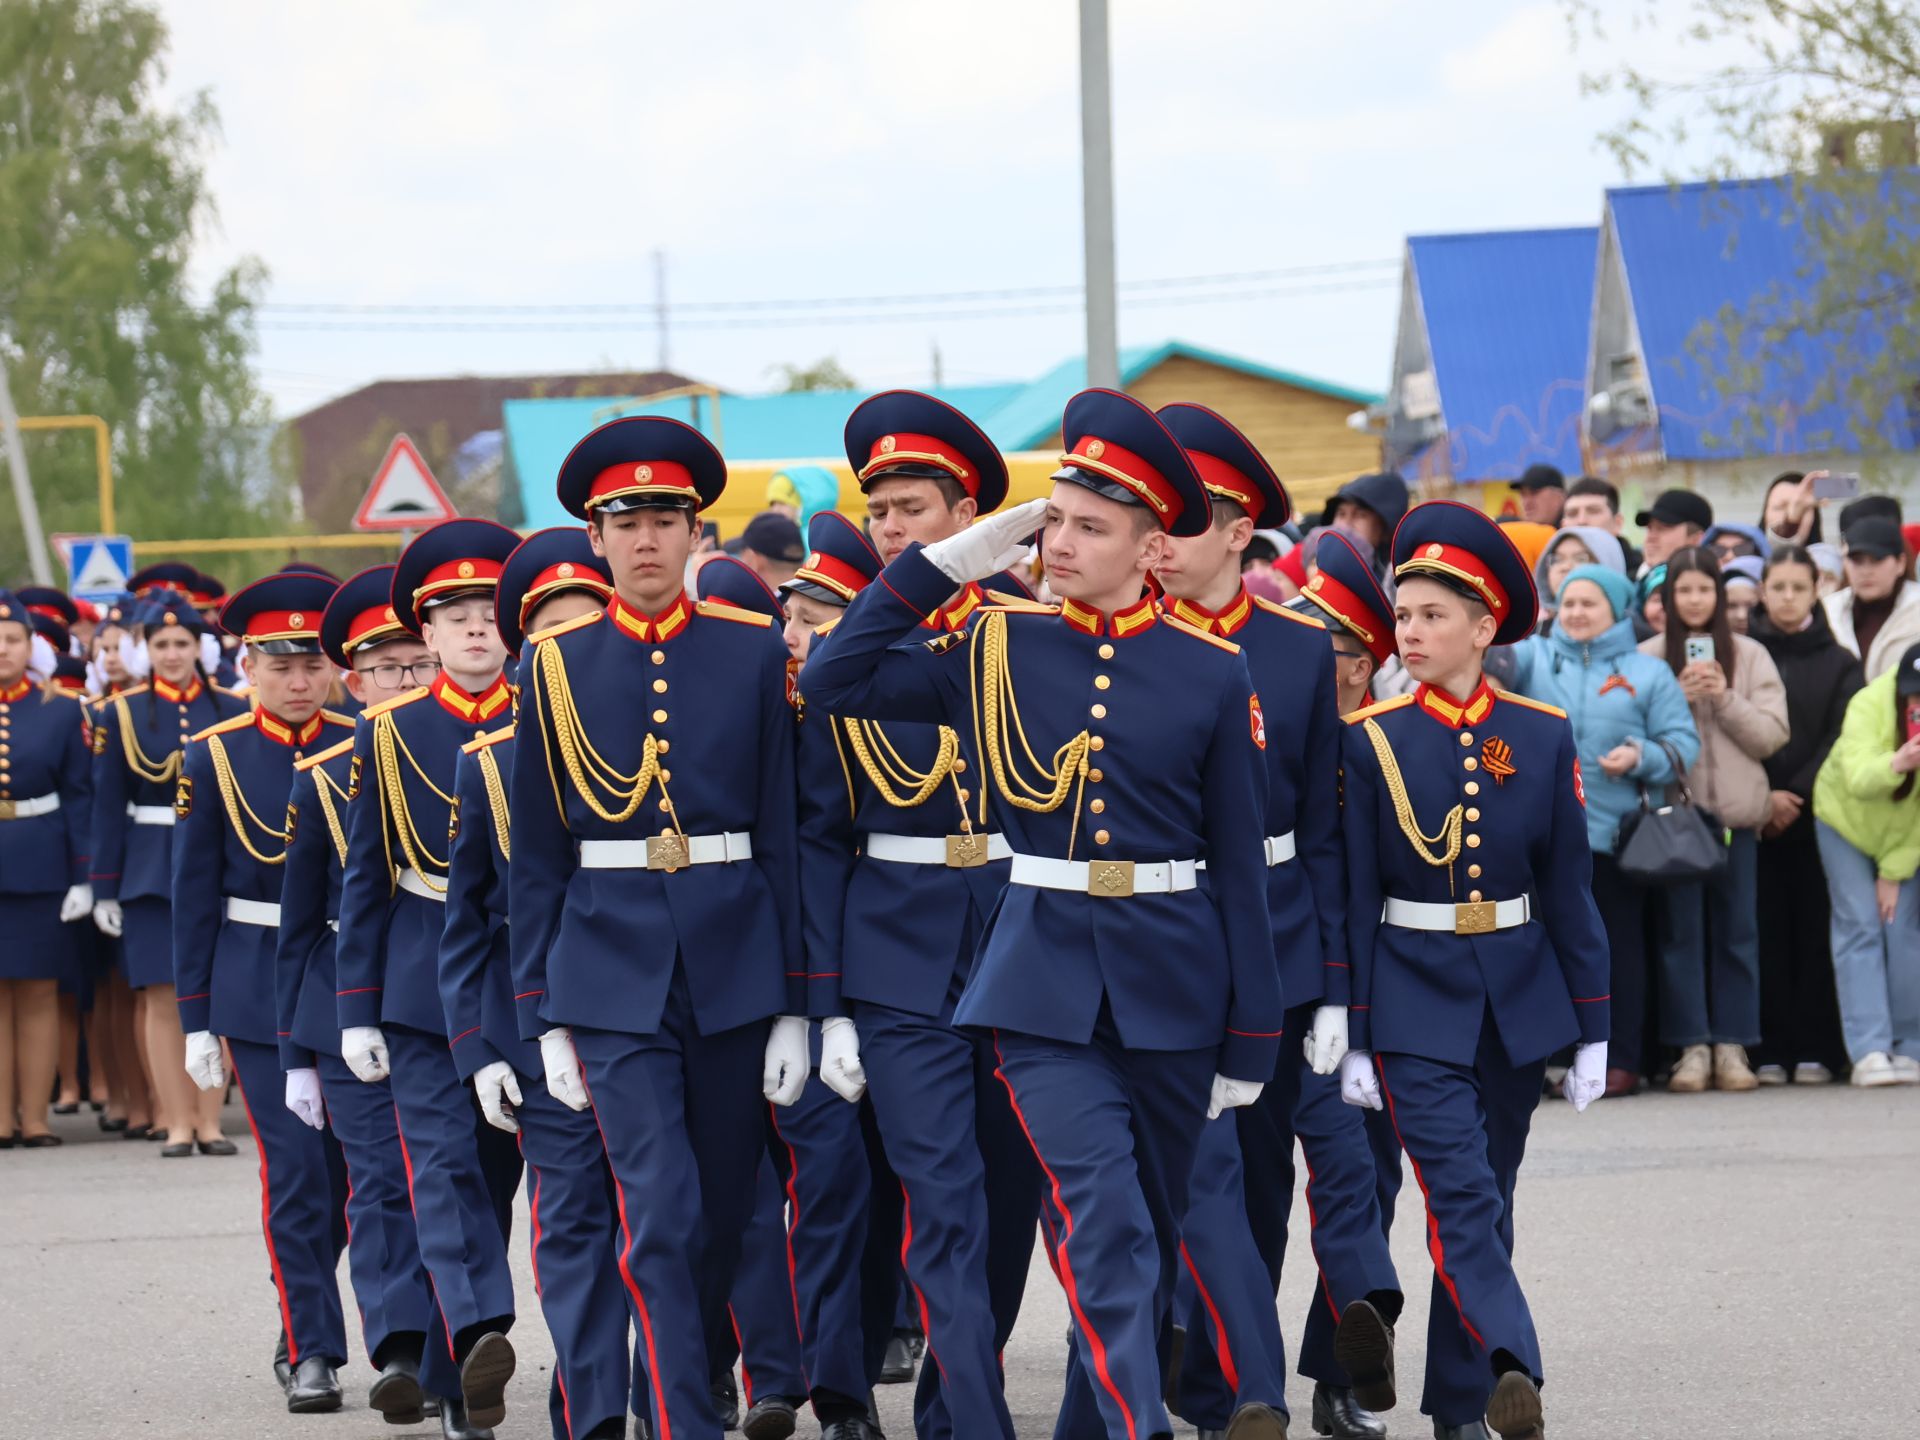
{"x":1257,"y":721}
{"x":183,"y":797}
{"x":99,"y":739}
{"x":940,"y":644}
{"x":353,"y":779}
{"x":453,"y":821}
{"x":293,"y":821}
{"x":1579,"y":785}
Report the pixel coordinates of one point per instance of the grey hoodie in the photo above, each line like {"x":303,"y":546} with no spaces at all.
{"x":1604,"y":548}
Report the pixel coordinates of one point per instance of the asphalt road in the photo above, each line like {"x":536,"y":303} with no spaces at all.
{"x":1720,"y":1267}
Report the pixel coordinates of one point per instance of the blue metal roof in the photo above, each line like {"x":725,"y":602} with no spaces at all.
{"x":1506,"y":316}
{"x":1690,"y":251}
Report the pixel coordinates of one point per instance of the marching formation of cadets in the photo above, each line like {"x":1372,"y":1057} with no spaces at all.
{"x":804,"y":954}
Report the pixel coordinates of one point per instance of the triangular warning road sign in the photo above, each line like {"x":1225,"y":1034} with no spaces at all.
{"x":404,"y":495}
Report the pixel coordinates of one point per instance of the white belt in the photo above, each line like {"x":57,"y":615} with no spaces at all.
{"x":666,"y":852}
{"x":1279,"y":849}
{"x":1479,"y":917}
{"x":1104,"y":878}
{"x":253,"y":912}
{"x":414,"y":883}
{"x":150,"y":814}
{"x":27,"y":809}
{"x":959,"y":852}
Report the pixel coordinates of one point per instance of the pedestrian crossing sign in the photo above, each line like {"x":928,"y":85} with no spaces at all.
{"x":99,"y":566}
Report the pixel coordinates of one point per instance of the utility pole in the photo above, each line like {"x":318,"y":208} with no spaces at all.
{"x":660,"y":303}
{"x":939,"y":370}
{"x":1096,"y":192}
{"x":22,"y":486}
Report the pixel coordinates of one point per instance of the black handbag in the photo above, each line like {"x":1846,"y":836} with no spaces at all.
{"x":1670,"y":844}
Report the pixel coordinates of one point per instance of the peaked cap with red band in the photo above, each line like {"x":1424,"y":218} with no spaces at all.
{"x":1228,"y":464}
{"x":729,"y":582}
{"x":49,"y":604}
{"x":841,"y":564}
{"x":360,"y":614}
{"x":547,"y":562}
{"x":1344,"y":588}
{"x":1462,"y":547}
{"x":903,"y":432}
{"x":641,"y":462}
{"x":280,"y":614}
{"x":164,"y":575}
{"x":453,"y":557}
{"x":1119,"y":449}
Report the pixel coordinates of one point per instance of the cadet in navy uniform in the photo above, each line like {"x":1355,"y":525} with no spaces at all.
{"x":230,"y":805}
{"x":552,"y":577}
{"x":45,"y":796}
{"x":1153,"y":1005}
{"x":462,"y":1172}
{"x":1476,"y":953}
{"x":1293,"y":667}
{"x":139,"y":737}
{"x":656,"y":799}
{"x":918,"y":857}
{"x":359,"y":634}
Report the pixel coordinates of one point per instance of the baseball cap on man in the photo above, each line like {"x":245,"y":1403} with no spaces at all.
{"x":1541,"y":477}
{"x":775,"y":536}
{"x":1677,"y":507}
{"x":1876,"y":536}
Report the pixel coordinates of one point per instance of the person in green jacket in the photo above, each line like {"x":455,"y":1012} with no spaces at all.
{"x":1868,"y":827}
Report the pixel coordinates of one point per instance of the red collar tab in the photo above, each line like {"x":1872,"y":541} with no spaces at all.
{"x":1227,"y":482}
{"x":1463,"y":565}
{"x":651,"y":477}
{"x":890,"y":452}
{"x":176,"y":694}
{"x":372,"y":626}
{"x":68,"y":684}
{"x":281,"y":733}
{"x":567,"y":575}
{"x":1223,"y":622}
{"x":471,"y":708}
{"x":1122,"y":623}
{"x":456,"y":575}
{"x":1123,"y":467}
{"x":264,"y":625}
{"x":18,"y":691}
{"x":1371,"y":629}
{"x":1451,"y":712}
{"x":667,"y":624}
{"x":954,"y":616}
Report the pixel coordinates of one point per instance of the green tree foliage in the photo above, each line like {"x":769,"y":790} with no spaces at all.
{"x":1828,"y":95}
{"x":827,"y":374}
{"x":103,"y":193}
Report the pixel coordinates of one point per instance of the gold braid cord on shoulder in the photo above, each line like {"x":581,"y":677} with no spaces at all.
{"x":239,"y":812}
{"x":330,"y":795}
{"x":497,"y":802}
{"x":388,"y":747}
{"x":886,"y":768}
{"x":998,"y":711}
{"x":139,"y":764}
{"x":585,"y":766}
{"x":1450,"y":828}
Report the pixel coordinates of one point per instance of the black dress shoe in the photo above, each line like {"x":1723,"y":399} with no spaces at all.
{"x":1472,"y":1430}
{"x":315,"y":1389}
{"x":135,"y":1132}
{"x":396,"y":1392}
{"x":1257,"y":1422}
{"x":771,"y":1417}
{"x":1515,"y":1412}
{"x":41,"y":1142}
{"x":726,"y":1402}
{"x":483,"y":1380}
{"x":1363,"y":1345}
{"x":1176,"y":1364}
{"x":110,"y":1124}
{"x":8,"y":1141}
{"x":1337,"y":1413}
{"x":71,"y":1108}
{"x":219,"y":1146}
{"x":179,"y":1150}
{"x":454,"y":1424}
{"x":897,"y":1367}
{"x":282,"y":1366}
{"x":856,"y":1427}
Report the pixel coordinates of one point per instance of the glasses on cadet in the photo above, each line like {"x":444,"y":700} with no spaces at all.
{"x":391,"y":677}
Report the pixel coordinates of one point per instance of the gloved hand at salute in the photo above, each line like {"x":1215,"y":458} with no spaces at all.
{"x":987,"y":546}
{"x":204,"y":1065}
{"x":566,"y":1082}
{"x":1326,"y":1039}
{"x":1586,"y":1078}
{"x":784,"y":1075}
{"x":840,"y":1066}
{"x":364,"y":1049}
{"x":498,"y":1088}
{"x":303,"y":1096}
{"x":1231,"y":1095}
{"x":1359,"y":1084}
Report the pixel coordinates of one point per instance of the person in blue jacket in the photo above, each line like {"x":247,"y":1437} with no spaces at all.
{"x":1630,"y":724}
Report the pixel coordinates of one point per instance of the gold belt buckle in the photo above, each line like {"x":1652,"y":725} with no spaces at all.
{"x":1110,"y":879}
{"x":1476,"y":918}
{"x":666,"y":851}
{"x":9,"y":810}
{"x":965,"y":852}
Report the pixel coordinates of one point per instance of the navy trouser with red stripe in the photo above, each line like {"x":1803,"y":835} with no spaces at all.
{"x":1464,"y":1130}
{"x":383,"y":1251}
{"x":762,"y":1315}
{"x":1114,"y":1131}
{"x":970,"y":1192}
{"x":682,"y":1119}
{"x":303,"y":1197}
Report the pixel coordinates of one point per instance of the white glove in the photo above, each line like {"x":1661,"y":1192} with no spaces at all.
{"x":107,"y":918}
{"x":565,"y":1081}
{"x":784,"y":1075}
{"x":1586,"y":1078}
{"x":1359,"y":1085}
{"x":78,"y":903}
{"x":1326,"y":1039}
{"x":1231,"y":1095}
{"x":987,"y":546}
{"x":204,"y":1065}
{"x":364,"y":1049}
{"x":840,"y":1068}
{"x":303,"y":1096}
{"x":498,"y":1088}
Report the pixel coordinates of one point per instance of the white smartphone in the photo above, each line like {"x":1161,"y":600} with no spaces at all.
{"x":1699,"y":647}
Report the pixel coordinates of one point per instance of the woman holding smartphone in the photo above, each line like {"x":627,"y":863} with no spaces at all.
{"x":1710,"y":955}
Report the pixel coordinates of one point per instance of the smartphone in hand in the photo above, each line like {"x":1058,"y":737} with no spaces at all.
{"x":1699,"y":648}
{"x":1836,"y":487}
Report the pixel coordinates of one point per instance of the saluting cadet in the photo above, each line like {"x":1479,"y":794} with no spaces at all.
{"x":1235,"y":1283}
{"x":461,"y":1172}
{"x":909,"y":842}
{"x":139,"y":737}
{"x":1476,"y":953}
{"x":655,"y":897}
{"x":45,"y":794}
{"x":360,"y":634}
{"x":552,"y":577}
{"x":1152,"y":1004}
{"x":230,"y":805}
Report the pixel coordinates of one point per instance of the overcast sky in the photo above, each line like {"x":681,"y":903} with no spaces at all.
{"x":460,"y":153}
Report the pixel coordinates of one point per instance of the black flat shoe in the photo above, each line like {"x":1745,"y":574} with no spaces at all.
{"x":1337,"y":1413}
{"x":98,"y":1106}
{"x":154,"y":1133}
{"x":40,"y":1142}
{"x":1363,"y":1345}
{"x":7,"y":1142}
{"x":726,"y":1401}
{"x":133,"y":1132}
{"x":1472,"y":1430}
{"x":483,"y":1380}
{"x":315,"y":1389}
{"x":72,"y":1107}
{"x":222,"y":1146}
{"x":455,"y":1426}
{"x":772,"y":1417}
{"x":897,"y":1367}
{"x":111,"y":1125}
{"x":179,"y":1151}
{"x":282,"y":1367}
{"x":396,"y":1393}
